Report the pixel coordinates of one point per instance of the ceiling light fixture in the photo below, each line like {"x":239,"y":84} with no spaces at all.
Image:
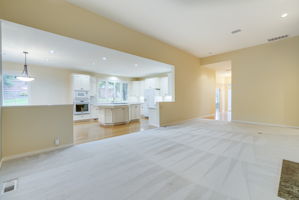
{"x":25,"y":75}
{"x":284,"y":15}
{"x":52,"y":52}
{"x":104,"y":58}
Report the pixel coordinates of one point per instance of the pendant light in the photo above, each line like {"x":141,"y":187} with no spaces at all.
{"x":25,"y":75}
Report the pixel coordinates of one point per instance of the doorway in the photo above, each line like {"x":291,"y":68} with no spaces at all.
{"x":223,"y":91}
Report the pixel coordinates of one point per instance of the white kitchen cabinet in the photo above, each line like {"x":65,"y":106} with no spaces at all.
{"x":141,"y":88}
{"x":164,"y":86}
{"x":93,"y":86}
{"x":135,"y":88}
{"x":83,"y":117}
{"x":120,"y":115}
{"x":112,"y":115}
{"x":152,"y":83}
{"x":135,"y":111}
{"x":81,"y":82}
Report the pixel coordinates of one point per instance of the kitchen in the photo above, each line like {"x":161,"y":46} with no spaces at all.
{"x":120,"y":106}
{"x":112,"y":92}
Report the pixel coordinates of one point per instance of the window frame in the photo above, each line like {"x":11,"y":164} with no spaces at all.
{"x":114,"y":90}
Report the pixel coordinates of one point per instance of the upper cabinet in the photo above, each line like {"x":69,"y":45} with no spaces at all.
{"x":152,"y":83}
{"x":81,"y":82}
{"x":164,"y":86}
{"x":93,"y":86}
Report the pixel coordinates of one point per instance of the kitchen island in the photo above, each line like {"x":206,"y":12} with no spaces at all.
{"x":118,"y":113}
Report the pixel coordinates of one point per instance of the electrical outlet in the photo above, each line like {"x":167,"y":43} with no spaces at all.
{"x":56,"y":141}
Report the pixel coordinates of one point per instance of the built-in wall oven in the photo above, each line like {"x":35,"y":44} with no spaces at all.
{"x":81,"y":107}
{"x":81,"y":94}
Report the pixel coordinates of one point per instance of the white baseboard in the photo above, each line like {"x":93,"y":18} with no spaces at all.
{"x":265,"y":124}
{"x":35,"y":152}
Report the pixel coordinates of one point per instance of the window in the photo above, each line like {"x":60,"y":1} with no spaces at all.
{"x":112,"y":91}
{"x":15,"y":92}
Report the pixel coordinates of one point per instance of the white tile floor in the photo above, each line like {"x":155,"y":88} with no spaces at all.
{"x":199,"y":160}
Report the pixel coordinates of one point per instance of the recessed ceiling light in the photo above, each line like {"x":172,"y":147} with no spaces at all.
{"x":284,"y":15}
{"x":51,"y":51}
{"x":104,"y":58}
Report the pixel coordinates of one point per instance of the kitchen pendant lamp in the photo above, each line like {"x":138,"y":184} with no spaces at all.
{"x":25,"y":75}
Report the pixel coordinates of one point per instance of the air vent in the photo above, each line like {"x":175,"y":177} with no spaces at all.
{"x":277,"y":38}
{"x":236,"y":31}
{"x":9,"y":186}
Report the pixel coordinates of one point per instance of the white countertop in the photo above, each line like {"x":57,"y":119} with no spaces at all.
{"x":111,"y":105}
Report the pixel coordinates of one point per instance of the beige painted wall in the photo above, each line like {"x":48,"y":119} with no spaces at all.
{"x":265,"y":82}
{"x":60,"y":17}
{"x":34,"y":128}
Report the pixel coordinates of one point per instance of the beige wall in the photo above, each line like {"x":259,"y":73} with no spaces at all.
{"x":265,"y":82}
{"x":60,"y":17}
{"x":34,"y":128}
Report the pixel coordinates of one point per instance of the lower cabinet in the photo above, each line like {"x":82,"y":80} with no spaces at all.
{"x":114,"y":115}
{"x":83,"y":117}
{"x":135,"y":111}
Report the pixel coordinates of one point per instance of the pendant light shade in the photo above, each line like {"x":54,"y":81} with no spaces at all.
{"x":25,"y":75}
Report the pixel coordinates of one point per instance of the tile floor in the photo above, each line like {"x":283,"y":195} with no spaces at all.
{"x":198,"y":160}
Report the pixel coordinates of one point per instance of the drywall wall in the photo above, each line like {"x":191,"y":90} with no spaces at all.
{"x":265,"y":82}
{"x":34,"y":128}
{"x":66,"y":19}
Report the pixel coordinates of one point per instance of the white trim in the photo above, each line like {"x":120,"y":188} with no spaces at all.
{"x":265,"y":124}
{"x":35,"y":152}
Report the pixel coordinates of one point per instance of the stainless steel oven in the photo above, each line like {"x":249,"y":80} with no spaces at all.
{"x":81,"y":107}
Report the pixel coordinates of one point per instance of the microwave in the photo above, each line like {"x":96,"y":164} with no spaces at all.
{"x":81,"y":107}
{"x":81,"y":94}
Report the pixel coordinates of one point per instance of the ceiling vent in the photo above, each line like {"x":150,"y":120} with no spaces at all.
{"x":277,"y":38}
{"x":236,"y":31}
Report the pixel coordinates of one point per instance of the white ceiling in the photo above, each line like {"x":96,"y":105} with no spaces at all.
{"x":72,"y":54}
{"x":203,"y":27}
